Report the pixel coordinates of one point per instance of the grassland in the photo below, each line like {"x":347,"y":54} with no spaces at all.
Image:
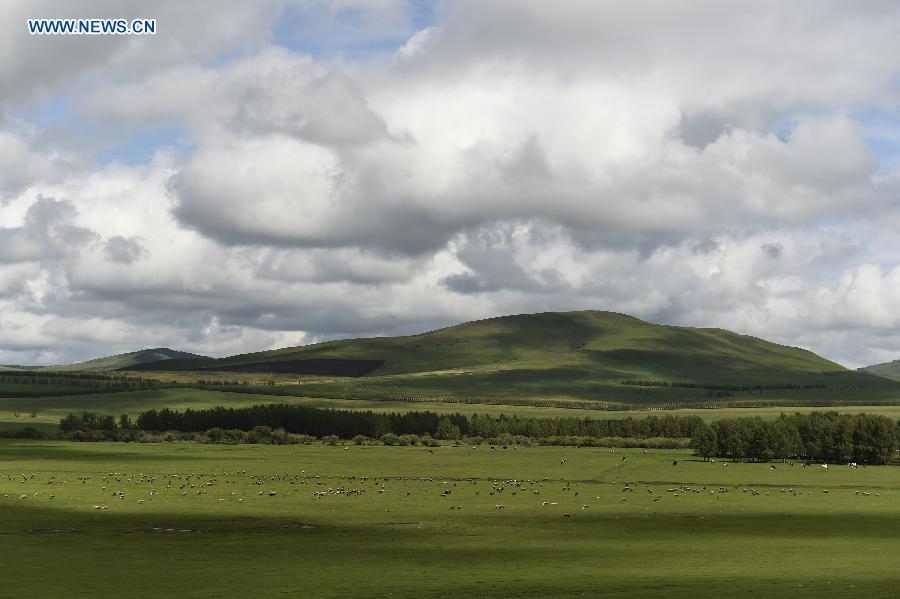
{"x":199,"y":521}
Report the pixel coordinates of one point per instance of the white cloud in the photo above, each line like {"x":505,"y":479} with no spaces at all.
{"x":690,"y":164}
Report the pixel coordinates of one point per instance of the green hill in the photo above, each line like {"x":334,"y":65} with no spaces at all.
{"x":888,"y":369}
{"x":128,"y":360}
{"x":589,"y":355}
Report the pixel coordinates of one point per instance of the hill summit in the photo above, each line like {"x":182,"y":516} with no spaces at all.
{"x":887,"y":369}
{"x":128,"y":360}
{"x":590,"y":355}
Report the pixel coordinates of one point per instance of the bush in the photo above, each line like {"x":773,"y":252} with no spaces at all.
{"x":362,"y":440}
{"x":409,"y":439}
{"x":26,"y":433}
{"x":216,"y":435}
{"x":330,"y":439}
{"x":234,"y":435}
{"x":390,"y":439}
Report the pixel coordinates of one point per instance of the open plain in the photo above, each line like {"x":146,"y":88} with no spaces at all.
{"x":189,"y":520}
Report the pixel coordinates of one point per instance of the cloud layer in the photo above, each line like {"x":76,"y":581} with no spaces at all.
{"x":690,"y":165}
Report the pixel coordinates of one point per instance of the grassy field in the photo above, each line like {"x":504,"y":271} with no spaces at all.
{"x":199,"y":521}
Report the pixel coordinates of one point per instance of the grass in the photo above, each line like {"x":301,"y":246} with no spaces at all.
{"x":406,"y":542}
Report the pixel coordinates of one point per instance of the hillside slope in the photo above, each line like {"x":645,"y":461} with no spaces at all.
{"x":611,"y":345}
{"x":890,"y":370}
{"x":127,"y":360}
{"x":589,"y":355}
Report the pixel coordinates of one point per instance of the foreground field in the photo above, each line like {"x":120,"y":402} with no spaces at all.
{"x":201,"y":521}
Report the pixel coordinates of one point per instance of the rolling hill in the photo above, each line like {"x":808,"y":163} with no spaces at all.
{"x":890,"y":370}
{"x":588,"y":355}
{"x":127,"y":360}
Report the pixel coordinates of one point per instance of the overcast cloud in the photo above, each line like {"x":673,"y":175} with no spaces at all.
{"x":276,"y":173}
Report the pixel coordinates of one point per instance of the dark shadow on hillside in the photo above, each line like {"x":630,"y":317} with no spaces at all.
{"x":316,"y":366}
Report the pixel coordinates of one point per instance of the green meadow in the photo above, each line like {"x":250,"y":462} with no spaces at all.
{"x":187,"y":520}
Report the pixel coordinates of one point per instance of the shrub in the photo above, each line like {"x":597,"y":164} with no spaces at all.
{"x":216,"y":435}
{"x":428,"y":441}
{"x":390,"y":439}
{"x":409,"y":439}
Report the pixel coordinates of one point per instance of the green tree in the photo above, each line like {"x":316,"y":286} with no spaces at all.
{"x":705,"y":441}
{"x":216,"y":435}
{"x":446,"y":429}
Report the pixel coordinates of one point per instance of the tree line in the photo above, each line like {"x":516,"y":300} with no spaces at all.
{"x":819,"y":436}
{"x":46,"y":377}
{"x":715,"y":387}
{"x":347,"y":424}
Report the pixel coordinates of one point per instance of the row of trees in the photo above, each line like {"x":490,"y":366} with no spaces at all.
{"x":717,"y":387}
{"x":47,"y":377}
{"x":820,"y":436}
{"x":349,"y":423}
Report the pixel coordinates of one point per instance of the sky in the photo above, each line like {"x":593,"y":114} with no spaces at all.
{"x":276,"y":173}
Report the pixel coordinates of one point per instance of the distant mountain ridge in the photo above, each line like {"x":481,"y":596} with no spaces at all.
{"x":886,"y":369}
{"x":127,"y":360}
{"x":587,"y":356}
{"x":612,"y":345}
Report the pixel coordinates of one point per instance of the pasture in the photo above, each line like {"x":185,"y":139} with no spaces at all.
{"x":186,"y":520}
